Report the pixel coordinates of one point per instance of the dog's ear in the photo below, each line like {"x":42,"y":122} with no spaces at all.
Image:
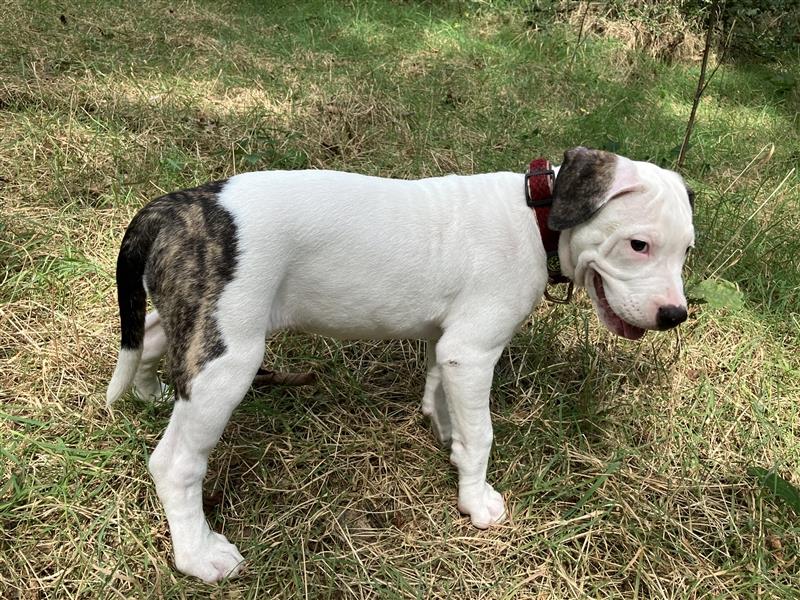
{"x":587,"y":179}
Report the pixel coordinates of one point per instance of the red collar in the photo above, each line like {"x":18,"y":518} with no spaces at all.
{"x":539,"y":195}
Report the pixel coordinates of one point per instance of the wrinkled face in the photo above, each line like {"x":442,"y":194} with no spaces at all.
{"x":630,"y":253}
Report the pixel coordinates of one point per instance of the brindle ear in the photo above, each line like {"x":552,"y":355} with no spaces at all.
{"x":587,"y":179}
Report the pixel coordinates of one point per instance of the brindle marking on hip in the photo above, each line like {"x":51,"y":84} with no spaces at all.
{"x":192,"y":258}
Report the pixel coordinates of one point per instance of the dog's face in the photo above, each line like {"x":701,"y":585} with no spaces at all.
{"x":626,"y":230}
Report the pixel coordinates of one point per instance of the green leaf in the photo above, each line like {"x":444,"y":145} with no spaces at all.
{"x":718,"y":293}
{"x":777,"y":486}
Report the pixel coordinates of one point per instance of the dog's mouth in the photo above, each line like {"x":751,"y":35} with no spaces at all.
{"x":607,"y":315}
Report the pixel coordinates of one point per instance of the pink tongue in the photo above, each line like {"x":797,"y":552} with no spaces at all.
{"x":631,"y":332}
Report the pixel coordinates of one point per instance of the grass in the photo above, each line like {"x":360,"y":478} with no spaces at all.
{"x":625,"y":465}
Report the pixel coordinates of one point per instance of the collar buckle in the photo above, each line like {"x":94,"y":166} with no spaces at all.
{"x":539,"y":192}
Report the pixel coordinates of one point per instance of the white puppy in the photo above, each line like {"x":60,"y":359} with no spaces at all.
{"x":457,"y":261}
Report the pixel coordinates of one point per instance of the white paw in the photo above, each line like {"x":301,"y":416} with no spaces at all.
{"x":485,"y":506}
{"x":216,"y":559}
{"x":151,"y":390}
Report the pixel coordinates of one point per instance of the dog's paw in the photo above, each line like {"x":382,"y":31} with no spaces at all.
{"x":485,"y":506}
{"x":216,"y":559}
{"x":151,"y":390}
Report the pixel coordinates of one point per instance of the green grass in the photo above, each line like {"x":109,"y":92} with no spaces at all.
{"x":625,"y":465}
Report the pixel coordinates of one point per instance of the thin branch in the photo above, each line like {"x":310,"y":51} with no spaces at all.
{"x":580,"y":35}
{"x":701,"y":82}
{"x":721,"y":57}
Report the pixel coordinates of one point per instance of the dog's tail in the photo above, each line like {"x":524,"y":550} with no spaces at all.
{"x":132,"y":298}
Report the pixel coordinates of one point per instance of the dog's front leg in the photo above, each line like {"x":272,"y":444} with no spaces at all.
{"x":466,"y":369}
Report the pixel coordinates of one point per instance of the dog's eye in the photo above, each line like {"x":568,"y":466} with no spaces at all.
{"x":639,"y":246}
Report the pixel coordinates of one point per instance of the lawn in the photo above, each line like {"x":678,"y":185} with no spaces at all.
{"x":630,"y":468}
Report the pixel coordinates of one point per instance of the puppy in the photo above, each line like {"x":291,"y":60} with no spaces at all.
{"x":457,"y":261}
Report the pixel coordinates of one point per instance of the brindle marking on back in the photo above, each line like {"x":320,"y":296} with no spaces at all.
{"x":583,"y":180}
{"x":192,"y":257}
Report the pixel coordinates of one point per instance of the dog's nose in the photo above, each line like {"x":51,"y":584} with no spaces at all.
{"x":669,"y":316}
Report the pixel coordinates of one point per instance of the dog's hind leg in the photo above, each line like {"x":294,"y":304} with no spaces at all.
{"x":434,"y":403}
{"x":178,"y":465}
{"x":146,"y":384}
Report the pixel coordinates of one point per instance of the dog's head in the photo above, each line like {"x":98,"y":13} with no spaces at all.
{"x":626,"y":230}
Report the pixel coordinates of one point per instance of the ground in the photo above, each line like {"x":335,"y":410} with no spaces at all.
{"x":627,"y":467}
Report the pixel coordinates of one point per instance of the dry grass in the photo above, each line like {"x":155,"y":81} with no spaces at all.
{"x":624,"y":465}
{"x":657,"y":29}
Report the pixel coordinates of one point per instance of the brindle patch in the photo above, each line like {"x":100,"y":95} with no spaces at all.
{"x":192,"y":257}
{"x":583,"y":180}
